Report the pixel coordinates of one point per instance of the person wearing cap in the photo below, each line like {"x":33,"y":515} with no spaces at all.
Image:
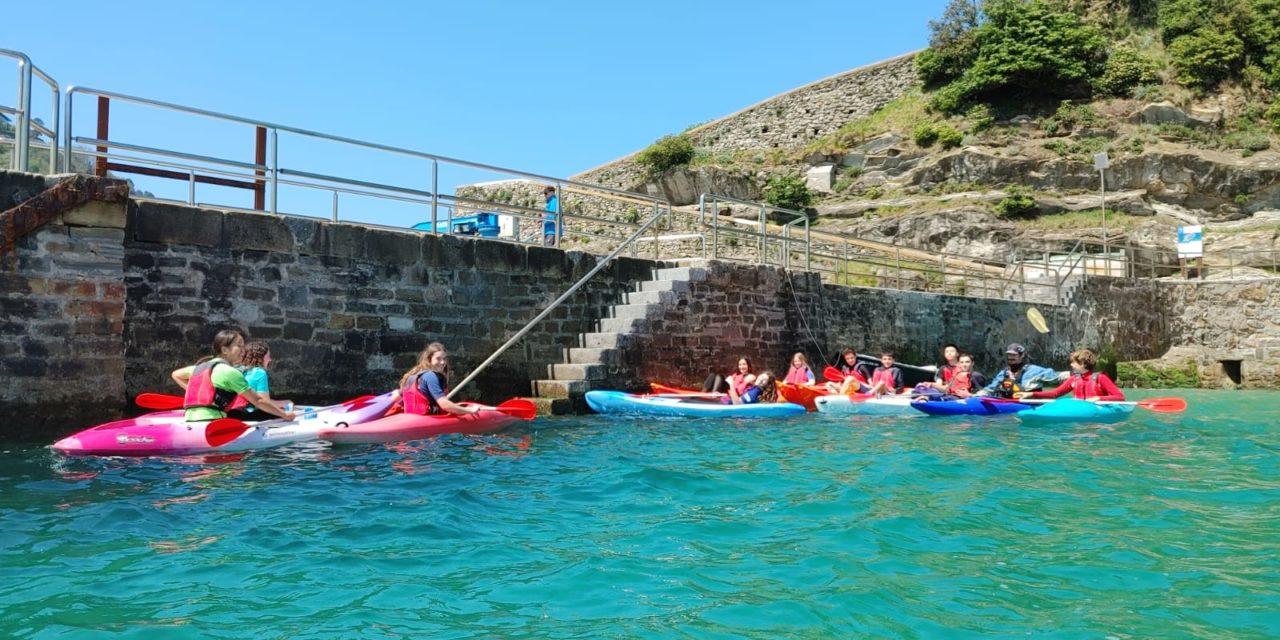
{"x":1019,"y":376}
{"x":550,"y":231}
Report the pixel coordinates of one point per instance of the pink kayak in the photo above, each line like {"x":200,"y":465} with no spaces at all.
{"x":407,"y":426}
{"x":168,"y":433}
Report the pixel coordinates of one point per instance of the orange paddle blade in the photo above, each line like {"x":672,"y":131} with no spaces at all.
{"x":158,"y":401}
{"x":518,"y":408}
{"x":223,"y":430}
{"x":1164,"y":405}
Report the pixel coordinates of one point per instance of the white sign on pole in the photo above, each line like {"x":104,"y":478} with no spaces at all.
{"x":1191,"y":241}
{"x":1101,"y":161}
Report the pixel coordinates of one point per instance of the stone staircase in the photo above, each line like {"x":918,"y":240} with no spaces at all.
{"x":597,"y":361}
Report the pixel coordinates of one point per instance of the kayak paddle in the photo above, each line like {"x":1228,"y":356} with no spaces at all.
{"x":158,"y":401}
{"x":1037,"y":320}
{"x":833,"y":374}
{"x":516,"y":408}
{"x":224,"y":430}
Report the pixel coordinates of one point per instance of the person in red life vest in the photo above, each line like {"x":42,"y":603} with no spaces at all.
{"x":950,"y":357}
{"x":737,"y":381}
{"x":961,"y":383}
{"x":763,"y":389}
{"x":856,"y":375}
{"x":799,"y":373}
{"x":213,"y":384}
{"x":886,"y":378}
{"x":1084,"y":383}
{"x":424,"y":387}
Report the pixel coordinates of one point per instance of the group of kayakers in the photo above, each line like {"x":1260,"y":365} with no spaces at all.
{"x":955,"y":378}
{"x":233,"y":382}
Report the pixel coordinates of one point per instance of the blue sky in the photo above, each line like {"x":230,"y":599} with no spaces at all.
{"x":551,"y":88}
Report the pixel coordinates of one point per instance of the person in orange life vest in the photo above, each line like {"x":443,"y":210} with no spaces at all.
{"x":856,"y":377}
{"x":736,"y":382}
{"x":254,"y":363}
{"x":424,"y":387}
{"x":763,"y":389}
{"x":799,"y":373}
{"x":886,"y":378}
{"x":950,"y":356}
{"x":964,"y":380}
{"x":1084,"y":383}
{"x":213,"y":383}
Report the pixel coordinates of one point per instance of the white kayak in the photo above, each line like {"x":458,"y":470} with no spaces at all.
{"x":865,"y":405}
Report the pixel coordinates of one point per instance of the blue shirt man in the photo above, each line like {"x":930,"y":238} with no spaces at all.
{"x":550,"y":230}
{"x":1020,"y":375}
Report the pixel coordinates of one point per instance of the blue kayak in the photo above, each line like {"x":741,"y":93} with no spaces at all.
{"x":1072,"y":410}
{"x":618,"y":402}
{"x":969,"y":407}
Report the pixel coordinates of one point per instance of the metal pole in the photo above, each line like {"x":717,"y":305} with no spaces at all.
{"x":53,"y":141}
{"x":335,"y":206}
{"x":435,"y":195}
{"x":66,"y":137}
{"x":1102,"y":191}
{"x":191,"y":187}
{"x":275,"y":169}
{"x":23,"y":132}
{"x":761,"y":258}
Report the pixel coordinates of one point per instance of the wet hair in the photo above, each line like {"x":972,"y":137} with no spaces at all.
{"x":965,"y":355}
{"x":254,"y":353}
{"x":768,"y":391}
{"x":887,"y":353}
{"x":424,"y":362}
{"x":1085,"y":357}
{"x":223,"y":340}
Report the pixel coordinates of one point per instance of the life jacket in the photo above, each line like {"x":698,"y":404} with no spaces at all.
{"x":1011,"y":385}
{"x":853,"y":370}
{"x":960,"y":380}
{"x":885,"y":375}
{"x":1085,"y":385}
{"x":739,"y":382}
{"x":947,"y":371}
{"x":419,"y":403}
{"x":798,"y":375}
{"x":202,"y":394}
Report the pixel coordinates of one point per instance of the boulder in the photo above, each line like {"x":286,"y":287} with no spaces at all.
{"x":820,"y":179}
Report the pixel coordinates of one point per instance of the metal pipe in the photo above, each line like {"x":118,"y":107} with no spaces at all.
{"x":23,"y":133}
{"x":275,"y":170}
{"x":335,"y":206}
{"x":435,"y":199}
{"x":191,"y":187}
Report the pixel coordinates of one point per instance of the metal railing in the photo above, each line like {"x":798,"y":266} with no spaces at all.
{"x":268,"y":173}
{"x":24,"y":123}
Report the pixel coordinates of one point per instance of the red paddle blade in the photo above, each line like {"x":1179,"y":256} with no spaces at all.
{"x":223,"y":430}
{"x":1164,"y":405}
{"x":832,"y":374}
{"x":159,"y":401}
{"x":356,"y":403}
{"x":518,"y":408}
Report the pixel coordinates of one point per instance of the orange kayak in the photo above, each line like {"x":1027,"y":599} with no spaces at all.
{"x":654,"y":387}
{"x":802,"y":394}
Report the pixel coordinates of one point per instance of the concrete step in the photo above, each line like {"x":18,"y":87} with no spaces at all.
{"x":560,"y":406}
{"x":578,"y":371}
{"x":606,"y":340}
{"x":688,"y":274}
{"x":560,"y":388}
{"x":640,"y":311}
{"x":623,"y":325}
{"x":652,"y":297}
{"x":594,"y":356}
{"x":678,"y":286}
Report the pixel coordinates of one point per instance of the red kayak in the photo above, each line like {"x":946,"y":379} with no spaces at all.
{"x":802,"y":394}
{"x":407,"y":426}
{"x":655,"y":387}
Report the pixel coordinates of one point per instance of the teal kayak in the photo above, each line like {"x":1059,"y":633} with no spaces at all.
{"x":1071,"y":410}
{"x":618,"y":402}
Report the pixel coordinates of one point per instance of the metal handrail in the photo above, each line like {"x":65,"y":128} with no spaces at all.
{"x":557,"y":302}
{"x":24,"y":124}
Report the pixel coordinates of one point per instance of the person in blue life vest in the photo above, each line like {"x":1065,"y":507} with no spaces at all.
{"x":424,"y":388}
{"x":212,"y":385}
{"x":763,"y":389}
{"x":886,"y":378}
{"x":1019,"y":375}
{"x":551,"y":232}
{"x":254,"y":364}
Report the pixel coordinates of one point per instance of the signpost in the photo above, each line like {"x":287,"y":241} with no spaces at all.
{"x":1101,"y":162}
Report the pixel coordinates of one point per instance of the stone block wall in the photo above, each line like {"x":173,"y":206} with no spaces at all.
{"x":62,"y":308}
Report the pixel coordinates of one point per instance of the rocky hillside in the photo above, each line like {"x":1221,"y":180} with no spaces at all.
{"x":952,"y":164}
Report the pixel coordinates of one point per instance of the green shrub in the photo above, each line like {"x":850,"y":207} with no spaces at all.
{"x":980,"y":117}
{"x":1242,"y":199}
{"x":1206,"y":57}
{"x":874,"y":192}
{"x":667,"y":152}
{"x":1125,"y":69}
{"x":1272,"y":115}
{"x":1018,"y":202}
{"x":949,"y":138}
{"x":788,"y":192}
{"x":925,"y":134}
{"x":1249,"y":141}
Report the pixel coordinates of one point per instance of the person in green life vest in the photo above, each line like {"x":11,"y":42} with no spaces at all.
{"x":213,"y":383}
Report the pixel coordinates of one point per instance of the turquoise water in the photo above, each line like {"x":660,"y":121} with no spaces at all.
{"x":1164,"y":526}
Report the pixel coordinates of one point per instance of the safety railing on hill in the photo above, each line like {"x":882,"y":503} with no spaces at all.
{"x":271,"y":171}
{"x":24,"y":122}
